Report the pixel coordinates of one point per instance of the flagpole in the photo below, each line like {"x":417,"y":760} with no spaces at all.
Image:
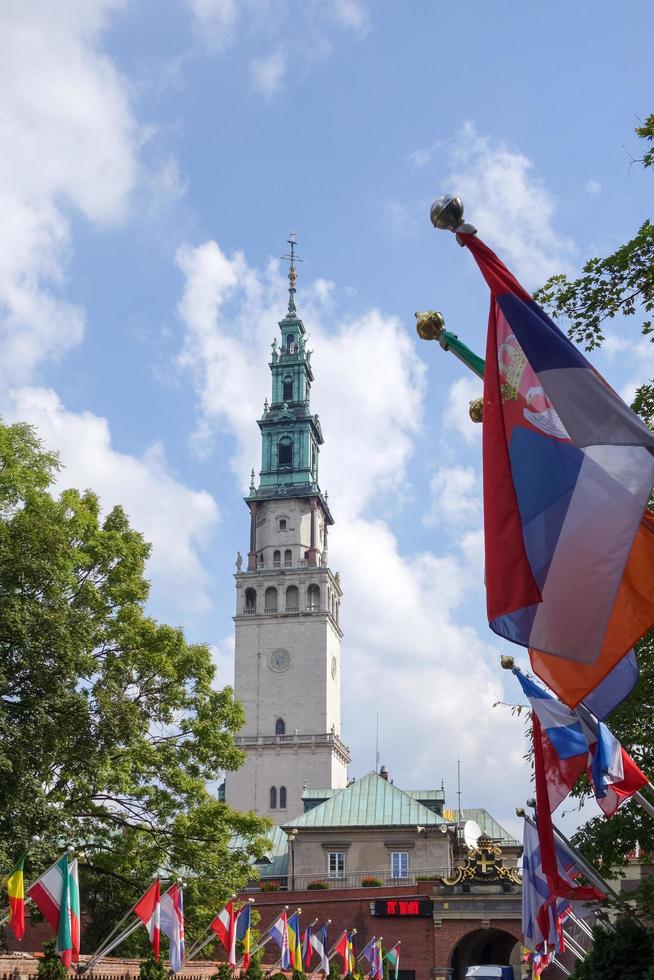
{"x":262,"y":941}
{"x":105,"y":952}
{"x":644,"y":802}
{"x":107,"y":945}
{"x":276,"y":965}
{"x":593,"y":876}
{"x":207,"y":932}
{"x":108,"y":938}
{"x":330,"y":953}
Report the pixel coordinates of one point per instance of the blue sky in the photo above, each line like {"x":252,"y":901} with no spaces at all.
{"x":155,"y":158}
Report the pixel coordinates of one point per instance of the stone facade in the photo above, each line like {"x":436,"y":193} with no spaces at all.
{"x":368,"y":850}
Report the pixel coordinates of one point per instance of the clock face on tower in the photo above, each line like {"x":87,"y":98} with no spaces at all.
{"x":279,"y":660}
{"x":334,"y":667}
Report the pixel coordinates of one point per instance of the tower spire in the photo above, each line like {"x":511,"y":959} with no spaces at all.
{"x":292,"y":258}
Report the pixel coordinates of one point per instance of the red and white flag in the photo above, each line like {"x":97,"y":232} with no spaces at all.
{"x":223,"y":925}
{"x":148,"y":909}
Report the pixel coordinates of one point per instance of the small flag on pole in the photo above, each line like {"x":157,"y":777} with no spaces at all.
{"x":294,"y":941}
{"x":171,"y":921}
{"x":278,"y":932}
{"x":222,"y":925}
{"x":319,"y":943}
{"x":393,"y":957}
{"x":148,"y":909}
{"x":15,"y":885}
{"x":56,"y":895}
{"x":241,"y":932}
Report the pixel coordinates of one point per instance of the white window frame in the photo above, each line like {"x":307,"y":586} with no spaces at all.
{"x":399,"y":864}
{"x":336,"y":867}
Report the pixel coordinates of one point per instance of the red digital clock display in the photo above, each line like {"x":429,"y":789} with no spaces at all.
{"x":409,"y":907}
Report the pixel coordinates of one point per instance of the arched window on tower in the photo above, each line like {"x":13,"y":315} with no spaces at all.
{"x":250,"y":602}
{"x":313,"y":598}
{"x":287,"y":389}
{"x":288,"y":558}
{"x":280,"y":727}
{"x":273,"y":797}
{"x":277,"y":559}
{"x":270,"y":600}
{"x":290,"y":343}
{"x":292,"y":599}
{"x":285,"y":451}
{"x":282,"y":797}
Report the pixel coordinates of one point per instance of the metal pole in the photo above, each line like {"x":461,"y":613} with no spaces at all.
{"x":644,"y":802}
{"x":117,"y":941}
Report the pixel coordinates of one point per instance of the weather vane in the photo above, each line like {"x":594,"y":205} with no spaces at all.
{"x":292,"y":274}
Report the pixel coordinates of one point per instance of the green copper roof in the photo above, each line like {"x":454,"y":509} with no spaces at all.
{"x":368,"y":802}
{"x":488,"y":825}
{"x":275,"y":863}
{"x":426,"y":794}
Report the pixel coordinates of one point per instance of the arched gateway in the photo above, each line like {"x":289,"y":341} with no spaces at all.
{"x":482,"y":947}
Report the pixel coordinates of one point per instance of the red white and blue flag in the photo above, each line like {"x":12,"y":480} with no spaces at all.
{"x":543,"y":913}
{"x":572,"y":742}
{"x":172,"y":925}
{"x":278,"y":932}
{"x":568,"y":470}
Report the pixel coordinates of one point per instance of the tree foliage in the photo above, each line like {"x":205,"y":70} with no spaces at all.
{"x":626,"y":951}
{"x":112,"y":730}
{"x":621,"y":284}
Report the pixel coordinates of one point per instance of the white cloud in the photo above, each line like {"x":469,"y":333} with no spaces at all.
{"x":292,"y":31}
{"x":512,"y":209}
{"x":268,"y":73}
{"x":399,"y":218}
{"x":177,"y":521}
{"x":406,"y":650}
{"x":593,"y":186}
{"x":454,"y":497}
{"x":66,"y":141}
{"x":456,"y":415}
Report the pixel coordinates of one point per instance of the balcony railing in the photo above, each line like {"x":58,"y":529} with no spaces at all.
{"x":292,"y":609}
{"x":356,"y":879}
{"x":252,"y":741}
{"x":249,"y":611}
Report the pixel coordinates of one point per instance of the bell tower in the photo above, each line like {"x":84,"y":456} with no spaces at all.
{"x":288,"y":637}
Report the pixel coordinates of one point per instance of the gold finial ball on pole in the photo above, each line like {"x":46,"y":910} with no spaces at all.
{"x":430,"y":325}
{"x":508,"y":663}
{"x":476,"y":410}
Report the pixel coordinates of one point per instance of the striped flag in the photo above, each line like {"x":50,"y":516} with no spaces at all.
{"x":393,"y":957}
{"x":56,"y":895}
{"x":278,"y":932}
{"x":241,"y":931}
{"x":295,"y":942}
{"x":319,"y":944}
{"x":223,"y":925}
{"x":15,"y":885}
{"x":306,"y":946}
{"x":148,"y":909}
